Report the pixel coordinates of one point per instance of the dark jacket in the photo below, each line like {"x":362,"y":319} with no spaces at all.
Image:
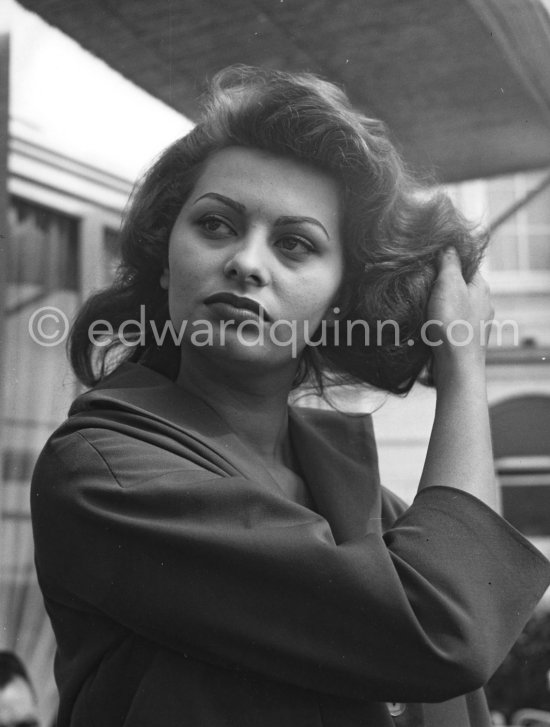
{"x":186,"y":590}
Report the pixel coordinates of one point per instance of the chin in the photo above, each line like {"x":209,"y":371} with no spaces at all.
{"x":256,"y":359}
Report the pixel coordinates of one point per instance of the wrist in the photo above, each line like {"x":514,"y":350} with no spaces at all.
{"x":464,"y":370}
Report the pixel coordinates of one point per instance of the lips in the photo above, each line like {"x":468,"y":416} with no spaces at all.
{"x":238,"y":305}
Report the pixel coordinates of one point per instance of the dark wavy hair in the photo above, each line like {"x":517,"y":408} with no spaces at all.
{"x":394,"y":228}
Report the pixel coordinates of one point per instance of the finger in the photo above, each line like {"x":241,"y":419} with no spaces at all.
{"x":449,"y":262}
{"x":479,"y":290}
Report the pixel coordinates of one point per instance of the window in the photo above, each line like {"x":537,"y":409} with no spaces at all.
{"x":521,"y":243}
{"x":518,"y":256}
{"x":43,"y":263}
{"x":42,"y":253}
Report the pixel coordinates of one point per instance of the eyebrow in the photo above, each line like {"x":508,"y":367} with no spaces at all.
{"x":298,"y":220}
{"x":280,"y":221}
{"x":237,"y":206}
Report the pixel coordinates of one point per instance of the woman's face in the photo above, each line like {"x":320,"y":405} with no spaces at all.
{"x":255,"y":257}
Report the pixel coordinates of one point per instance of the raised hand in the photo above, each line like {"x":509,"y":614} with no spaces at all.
{"x":459,"y":316}
{"x":459,"y":453}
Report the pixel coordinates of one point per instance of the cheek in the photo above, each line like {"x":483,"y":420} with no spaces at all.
{"x":311,"y":304}
{"x":180,"y":287}
{"x":319,"y":294}
{"x":185,"y":264}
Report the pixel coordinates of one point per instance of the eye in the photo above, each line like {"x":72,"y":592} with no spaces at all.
{"x":295,"y":246}
{"x":215,"y":226}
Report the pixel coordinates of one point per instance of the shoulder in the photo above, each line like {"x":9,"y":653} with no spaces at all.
{"x":126,"y":457}
{"x":134,"y":426}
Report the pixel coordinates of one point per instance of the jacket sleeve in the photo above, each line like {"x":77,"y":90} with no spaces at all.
{"x":228,"y":571}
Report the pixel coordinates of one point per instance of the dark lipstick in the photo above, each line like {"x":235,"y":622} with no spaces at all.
{"x":239,"y":303}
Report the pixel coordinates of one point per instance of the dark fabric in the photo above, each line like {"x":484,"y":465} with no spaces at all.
{"x":185,"y":589}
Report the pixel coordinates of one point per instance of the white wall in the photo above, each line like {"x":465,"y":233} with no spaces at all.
{"x":69,"y":101}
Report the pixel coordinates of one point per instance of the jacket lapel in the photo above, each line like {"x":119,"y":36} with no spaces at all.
{"x":338,"y":460}
{"x":135,"y":393}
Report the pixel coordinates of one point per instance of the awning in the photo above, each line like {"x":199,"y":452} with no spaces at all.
{"x":463,"y":85}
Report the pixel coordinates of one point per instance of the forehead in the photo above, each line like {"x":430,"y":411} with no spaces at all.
{"x":263,"y":180}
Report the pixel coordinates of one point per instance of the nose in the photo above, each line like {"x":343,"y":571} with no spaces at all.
{"x":248,"y":261}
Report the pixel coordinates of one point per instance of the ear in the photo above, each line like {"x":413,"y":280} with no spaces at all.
{"x":165,"y":279}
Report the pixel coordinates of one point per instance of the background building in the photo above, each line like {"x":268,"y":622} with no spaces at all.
{"x":79,"y":135}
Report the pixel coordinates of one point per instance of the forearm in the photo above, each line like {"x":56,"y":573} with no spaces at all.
{"x":460,"y":453}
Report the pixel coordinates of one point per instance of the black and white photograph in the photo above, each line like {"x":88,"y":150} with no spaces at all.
{"x":275,"y":363}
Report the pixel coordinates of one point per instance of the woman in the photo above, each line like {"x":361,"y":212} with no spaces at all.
{"x":210,"y":556}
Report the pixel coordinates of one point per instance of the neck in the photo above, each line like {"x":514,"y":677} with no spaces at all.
{"x":255,"y":405}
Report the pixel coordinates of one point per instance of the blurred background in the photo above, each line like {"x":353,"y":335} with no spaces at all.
{"x":92,"y":90}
